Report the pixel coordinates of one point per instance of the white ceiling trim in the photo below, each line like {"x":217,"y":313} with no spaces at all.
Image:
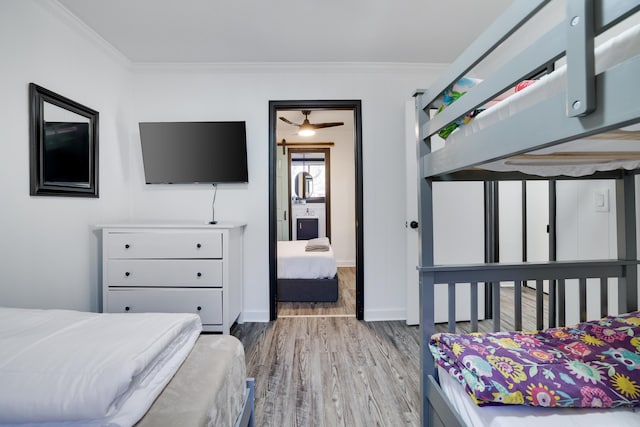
{"x":297,"y":67}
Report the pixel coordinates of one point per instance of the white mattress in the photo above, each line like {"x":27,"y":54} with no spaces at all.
{"x":610,"y":53}
{"x":527,"y":416}
{"x":60,"y":367}
{"x":295,"y":263}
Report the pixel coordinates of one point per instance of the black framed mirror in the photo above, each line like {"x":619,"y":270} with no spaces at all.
{"x":63,"y":139}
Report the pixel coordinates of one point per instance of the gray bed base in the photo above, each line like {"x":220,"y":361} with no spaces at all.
{"x":246,"y":417}
{"x":557,"y":119}
{"x":308,"y":290}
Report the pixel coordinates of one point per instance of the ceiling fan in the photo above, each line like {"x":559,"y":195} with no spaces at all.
{"x":307,"y":128}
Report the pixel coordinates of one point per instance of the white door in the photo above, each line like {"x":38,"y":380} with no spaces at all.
{"x":458,"y":230}
{"x":282,"y":195}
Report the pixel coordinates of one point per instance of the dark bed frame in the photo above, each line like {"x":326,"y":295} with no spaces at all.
{"x":608,"y":102}
{"x":308,"y":290}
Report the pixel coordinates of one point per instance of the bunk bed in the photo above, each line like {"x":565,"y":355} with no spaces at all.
{"x":553,"y":136}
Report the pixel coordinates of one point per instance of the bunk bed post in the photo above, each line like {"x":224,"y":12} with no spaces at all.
{"x":492,"y":249}
{"x":425,"y":257}
{"x":626,"y":237}
{"x":581,"y":88}
{"x":554,"y":290}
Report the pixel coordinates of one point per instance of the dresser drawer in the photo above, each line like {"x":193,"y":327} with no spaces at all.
{"x":162,"y":244}
{"x":166,"y":272}
{"x":207,"y":303}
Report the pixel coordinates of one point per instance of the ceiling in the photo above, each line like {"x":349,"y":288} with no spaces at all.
{"x":290,"y":133}
{"x":256,"y":31}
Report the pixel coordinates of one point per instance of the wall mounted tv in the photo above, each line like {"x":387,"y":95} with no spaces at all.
{"x":194,"y":152}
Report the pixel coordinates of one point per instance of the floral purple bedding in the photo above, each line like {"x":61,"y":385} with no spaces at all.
{"x":593,"y":364}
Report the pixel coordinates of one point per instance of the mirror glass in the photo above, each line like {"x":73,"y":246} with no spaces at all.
{"x":65,"y":147}
{"x":63,"y":142}
{"x":303,"y":187}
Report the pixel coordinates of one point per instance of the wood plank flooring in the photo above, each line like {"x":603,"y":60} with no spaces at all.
{"x":344,"y":307}
{"x":331,"y":371}
{"x":338,"y":371}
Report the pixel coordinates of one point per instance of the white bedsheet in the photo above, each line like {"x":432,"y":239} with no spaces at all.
{"x":60,"y":367}
{"x":296,"y":263}
{"x":527,"y":416}
{"x":612,"y":52}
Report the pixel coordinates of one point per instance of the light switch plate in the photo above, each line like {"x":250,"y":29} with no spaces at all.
{"x":601,"y":200}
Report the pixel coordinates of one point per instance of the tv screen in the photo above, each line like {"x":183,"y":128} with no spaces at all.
{"x":194,"y":152}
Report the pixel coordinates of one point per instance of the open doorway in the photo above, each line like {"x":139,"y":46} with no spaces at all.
{"x":300,"y":180}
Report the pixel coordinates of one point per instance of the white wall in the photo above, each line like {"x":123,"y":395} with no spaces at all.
{"x":243,"y":93}
{"x":49,"y":252}
{"x":585,"y":232}
{"x":48,"y":249}
{"x":343,"y":197}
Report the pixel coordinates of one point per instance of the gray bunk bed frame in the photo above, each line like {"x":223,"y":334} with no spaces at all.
{"x":591,"y":105}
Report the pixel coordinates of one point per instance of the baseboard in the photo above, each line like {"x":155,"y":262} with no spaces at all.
{"x":254,"y":316}
{"x":385,"y":315}
{"x":346,"y":263}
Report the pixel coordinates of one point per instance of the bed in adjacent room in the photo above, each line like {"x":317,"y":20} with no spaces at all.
{"x":578,"y":122}
{"x":61,"y":367}
{"x":307,"y":271}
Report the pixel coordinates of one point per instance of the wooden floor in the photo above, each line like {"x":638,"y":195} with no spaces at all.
{"x":333,"y":371}
{"x":338,"y":371}
{"x":344,"y":307}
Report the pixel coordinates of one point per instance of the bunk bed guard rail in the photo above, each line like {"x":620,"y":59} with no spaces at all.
{"x":617,"y":106}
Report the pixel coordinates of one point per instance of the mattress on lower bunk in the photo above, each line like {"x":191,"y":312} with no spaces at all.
{"x":593,"y":365}
{"x":528,"y":416}
{"x":612,"y":52}
{"x":294,"y":262}
{"x":61,"y":367}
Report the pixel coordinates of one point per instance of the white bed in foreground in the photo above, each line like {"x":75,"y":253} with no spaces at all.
{"x":60,"y":367}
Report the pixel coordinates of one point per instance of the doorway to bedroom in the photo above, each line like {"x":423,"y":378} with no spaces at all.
{"x":315,"y":197}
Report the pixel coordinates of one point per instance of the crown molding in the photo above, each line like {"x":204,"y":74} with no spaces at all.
{"x":290,"y":67}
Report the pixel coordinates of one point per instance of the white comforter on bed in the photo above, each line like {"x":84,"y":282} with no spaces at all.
{"x":294,"y":262}
{"x":60,"y":367}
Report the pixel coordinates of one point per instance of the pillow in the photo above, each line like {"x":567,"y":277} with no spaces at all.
{"x":462,"y":86}
{"x":450,"y":95}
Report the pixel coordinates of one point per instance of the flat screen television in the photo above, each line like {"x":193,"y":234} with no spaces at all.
{"x":194,"y":152}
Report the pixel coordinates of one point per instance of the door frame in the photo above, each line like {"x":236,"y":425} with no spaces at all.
{"x":356,"y":107}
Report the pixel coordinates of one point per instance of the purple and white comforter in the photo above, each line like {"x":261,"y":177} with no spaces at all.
{"x":593,"y":364}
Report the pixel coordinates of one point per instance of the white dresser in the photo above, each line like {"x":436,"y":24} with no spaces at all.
{"x":174,"y":268}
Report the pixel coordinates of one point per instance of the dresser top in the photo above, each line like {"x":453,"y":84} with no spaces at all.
{"x":221,"y":225}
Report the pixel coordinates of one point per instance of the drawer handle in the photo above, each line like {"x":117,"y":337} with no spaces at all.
{"x":199,"y":308}
{"x":127,"y":308}
{"x":127,"y":246}
{"x":199,"y":274}
{"x":198,"y":246}
{"x":127,"y":274}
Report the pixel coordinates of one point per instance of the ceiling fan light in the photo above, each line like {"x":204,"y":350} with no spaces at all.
{"x":306,"y":132}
